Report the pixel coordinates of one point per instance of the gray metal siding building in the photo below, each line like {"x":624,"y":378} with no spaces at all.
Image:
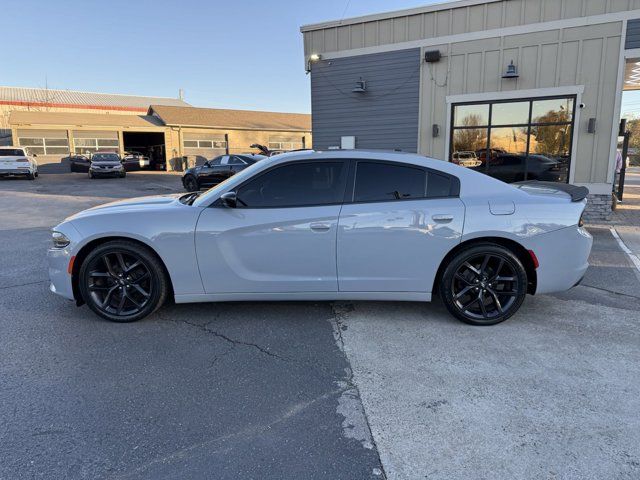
{"x":555,"y":115}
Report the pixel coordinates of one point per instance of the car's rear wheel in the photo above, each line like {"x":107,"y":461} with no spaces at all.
{"x":191,"y":184}
{"x":31,"y":176}
{"x":484,"y":284}
{"x":122,"y":281}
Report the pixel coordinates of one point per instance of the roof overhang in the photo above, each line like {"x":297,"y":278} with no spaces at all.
{"x":395,"y":13}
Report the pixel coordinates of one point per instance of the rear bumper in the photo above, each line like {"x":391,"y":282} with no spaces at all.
{"x":12,"y":172}
{"x":563,"y":256}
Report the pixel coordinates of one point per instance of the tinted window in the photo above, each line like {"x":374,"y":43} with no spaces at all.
{"x":216,"y":161}
{"x":384,"y":182}
{"x":438,"y":185}
{"x":236,"y":161}
{"x":11,"y":152}
{"x":299,"y":184}
{"x":105,"y":157}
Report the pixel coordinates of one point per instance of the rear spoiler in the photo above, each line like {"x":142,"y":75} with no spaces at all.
{"x":576,"y":193}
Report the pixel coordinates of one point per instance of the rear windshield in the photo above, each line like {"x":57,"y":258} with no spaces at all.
{"x":11,"y":152}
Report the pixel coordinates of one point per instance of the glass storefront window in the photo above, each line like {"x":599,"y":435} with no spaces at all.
{"x":471,"y":116}
{"x":523,"y":139}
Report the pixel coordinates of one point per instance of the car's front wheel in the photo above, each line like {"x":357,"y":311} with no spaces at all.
{"x":190,"y":184}
{"x":484,"y":284}
{"x":122,"y":281}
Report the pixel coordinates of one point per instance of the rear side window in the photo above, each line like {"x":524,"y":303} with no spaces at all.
{"x":439,"y":185}
{"x":385,"y":182}
{"x":296,"y":185}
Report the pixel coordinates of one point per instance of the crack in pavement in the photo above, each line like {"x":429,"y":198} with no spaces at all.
{"x":23,"y":284}
{"x":610,"y":291}
{"x":251,"y":431}
{"x":233,"y":341}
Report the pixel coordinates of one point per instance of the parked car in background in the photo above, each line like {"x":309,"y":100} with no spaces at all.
{"x":17,"y":162}
{"x":217,"y":170}
{"x":78,"y":163}
{"x":316,"y":226}
{"x":135,"y":161}
{"x":106,"y":165}
{"x":466,"y":159}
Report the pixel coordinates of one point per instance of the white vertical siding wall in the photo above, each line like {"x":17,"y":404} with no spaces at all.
{"x":350,"y":34}
{"x":585,"y":56}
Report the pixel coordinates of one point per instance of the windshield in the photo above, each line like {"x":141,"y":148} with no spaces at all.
{"x":105,"y":157}
{"x":12,"y":152}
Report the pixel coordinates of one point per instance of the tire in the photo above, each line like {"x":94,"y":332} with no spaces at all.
{"x":91,"y":175}
{"x":190,"y":184}
{"x":103,"y":284}
{"x":31,"y":176}
{"x":484,"y":284}
{"x":123,"y":174}
{"x":36,"y":174}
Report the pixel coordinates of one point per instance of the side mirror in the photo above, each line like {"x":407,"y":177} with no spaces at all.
{"x":35,"y":155}
{"x":229,"y":199}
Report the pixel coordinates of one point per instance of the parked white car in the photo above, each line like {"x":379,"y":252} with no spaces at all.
{"x":17,"y":162}
{"x":337,"y":225}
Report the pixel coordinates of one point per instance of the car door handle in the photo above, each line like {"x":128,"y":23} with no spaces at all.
{"x":320,"y":227}
{"x":442,"y":218}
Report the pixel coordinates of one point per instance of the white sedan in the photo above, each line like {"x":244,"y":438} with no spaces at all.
{"x":337,"y":225}
{"x":16,"y":162}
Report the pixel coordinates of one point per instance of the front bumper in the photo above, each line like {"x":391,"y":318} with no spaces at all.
{"x":58,"y":260}
{"x":59,"y":276}
{"x":563,"y":256}
{"x":106,"y":172}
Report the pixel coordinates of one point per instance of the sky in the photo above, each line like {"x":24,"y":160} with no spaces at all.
{"x":244,"y":54}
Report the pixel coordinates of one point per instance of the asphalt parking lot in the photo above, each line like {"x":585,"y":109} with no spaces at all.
{"x":294,"y":390}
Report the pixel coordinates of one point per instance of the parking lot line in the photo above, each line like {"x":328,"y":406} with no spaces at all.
{"x":634,"y":258}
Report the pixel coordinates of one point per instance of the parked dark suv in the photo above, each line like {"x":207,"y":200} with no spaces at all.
{"x":217,"y":170}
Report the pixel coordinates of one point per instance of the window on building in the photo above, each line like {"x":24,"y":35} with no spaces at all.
{"x":87,"y":146}
{"x":208,"y":144}
{"x":515,"y":140}
{"x":45,"y":146}
{"x":277,"y":142}
{"x":296,"y":185}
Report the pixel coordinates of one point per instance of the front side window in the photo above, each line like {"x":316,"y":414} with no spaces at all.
{"x":236,"y":161}
{"x":384,"y":182}
{"x":515,"y":140}
{"x":296,"y":185}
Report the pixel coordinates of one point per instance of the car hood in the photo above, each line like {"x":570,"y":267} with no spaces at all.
{"x":132,"y":204}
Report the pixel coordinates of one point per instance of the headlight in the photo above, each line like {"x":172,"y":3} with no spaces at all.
{"x":60,"y":240}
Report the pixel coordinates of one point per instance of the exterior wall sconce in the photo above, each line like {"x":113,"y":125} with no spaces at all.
{"x":361,"y":86}
{"x":435,"y":130}
{"x":512,"y":71}
{"x":313,"y":58}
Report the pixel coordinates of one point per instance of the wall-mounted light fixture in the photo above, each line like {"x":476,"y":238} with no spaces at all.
{"x":591,"y":126}
{"x":435,"y":130}
{"x":512,"y":71}
{"x":432,"y":56}
{"x":313,"y":58}
{"x":361,"y":86}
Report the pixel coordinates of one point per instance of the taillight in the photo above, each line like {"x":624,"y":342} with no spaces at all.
{"x":581,"y":222}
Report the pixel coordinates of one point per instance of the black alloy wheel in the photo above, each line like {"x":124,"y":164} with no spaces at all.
{"x":191,"y":184}
{"x":122,"y":281}
{"x":484,"y":285}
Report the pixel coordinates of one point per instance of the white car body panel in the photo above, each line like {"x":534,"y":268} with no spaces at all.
{"x":15,"y":164}
{"x":396,"y":246}
{"x":268,"y":250}
{"x":373,"y":251}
